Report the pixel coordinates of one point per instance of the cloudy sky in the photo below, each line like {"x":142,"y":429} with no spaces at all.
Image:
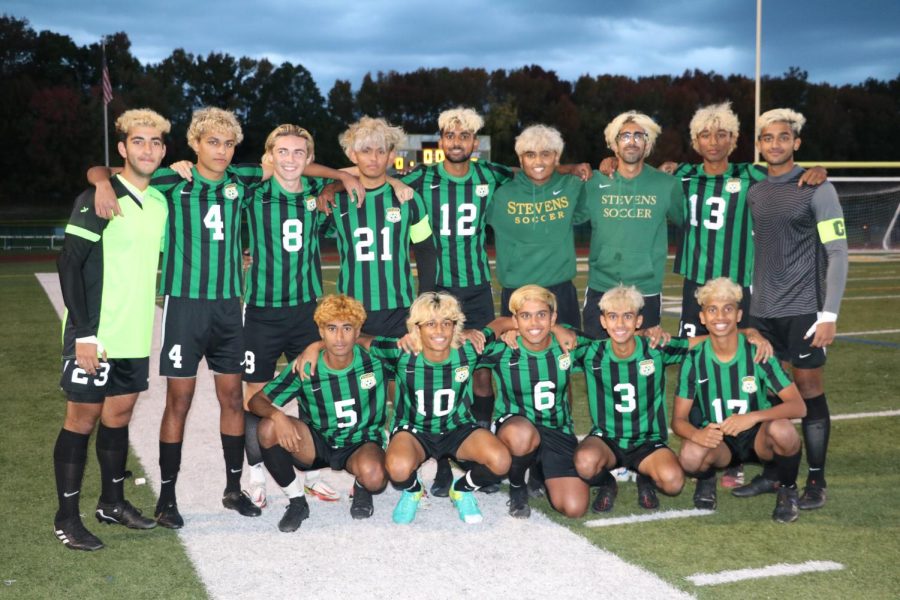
{"x":837,"y":41}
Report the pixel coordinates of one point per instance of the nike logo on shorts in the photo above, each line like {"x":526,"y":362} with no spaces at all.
{"x":805,"y":355}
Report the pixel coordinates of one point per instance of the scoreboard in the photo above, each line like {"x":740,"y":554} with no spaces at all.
{"x":422,"y":149}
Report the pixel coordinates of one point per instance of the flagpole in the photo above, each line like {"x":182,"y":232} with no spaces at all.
{"x":757,"y":90}
{"x":104,"y":75}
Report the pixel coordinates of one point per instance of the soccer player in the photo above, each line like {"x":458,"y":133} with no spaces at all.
{"x":626,"y":389}
{"x":202,"y":311}
{"x":629,"y":237}
{"x":532,"y":415}
{"x":342,"y":410}
{"x":532,"y":218}
{"x":736,"y":421}
{"x":798,"y":281}
{"x":374,"y":240}
{"x":107,"y":273}
{"x":432,"y":417}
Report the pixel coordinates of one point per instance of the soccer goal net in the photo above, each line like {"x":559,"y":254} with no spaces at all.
{"x":871,"y":208}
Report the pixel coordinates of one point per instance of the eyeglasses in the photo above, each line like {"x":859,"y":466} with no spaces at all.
{"x":638,"y":137}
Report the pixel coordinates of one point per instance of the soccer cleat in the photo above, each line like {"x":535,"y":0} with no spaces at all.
{"x":240,"y":502}
{"x":168,"y":516}
{"x":361,"y":507}
{"x":705,"y":494}
{"x":73,"y":534}
{"x":466,"y":505}
{"x":535,"y":486}
{"x":758,"y":485}
{"x":786,"y":509}
{"x":407,"y":505}
{"x":733,"y":477}
{"x":813,"y":497}
{"x":647,"y":494}
{"x":491,"y":488}
{"x":606,"y":498}
{"x":322,"y":491}
{"x":296,"y":512}
{"x":123,"y":513}
{"x":257,"y":493}
{"x":518,"y":502}
{"x":443,"y":479}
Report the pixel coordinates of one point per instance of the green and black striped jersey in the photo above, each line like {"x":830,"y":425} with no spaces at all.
{"x":202,"y":255}
{"x":534,"y":385}
{"x":457,"y":207}
{"x":721,"y":389}
{"x":346,"y":407}
{"x":433,"y":397}
{"x":284,"y":241}
{"x":373,"y":243}
{"x":717,"y":238}
{"x":627,"y":396}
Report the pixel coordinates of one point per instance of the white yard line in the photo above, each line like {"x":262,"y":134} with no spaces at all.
{"x":656,"y":516}
{"x":811,"y":566}
{"x":873,"y":332}
{"x":886,"y":297}
{"x":332,"y":556}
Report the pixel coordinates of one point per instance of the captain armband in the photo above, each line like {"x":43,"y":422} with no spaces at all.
{"x":831,"y":230}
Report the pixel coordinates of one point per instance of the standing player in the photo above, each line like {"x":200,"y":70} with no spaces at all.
{"x":629,"y":237}
{"x":736,"y":421}
{"x":798,"y":281}
{"x":342,"y":410}
{"x":532,"y":218}
{"x":626,"y":389}
{"x":107,"y":273}
{"x":533,"y":417}
{"x":374,"y":240}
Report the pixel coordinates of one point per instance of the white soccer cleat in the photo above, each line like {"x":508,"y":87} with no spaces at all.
{"x":322,"y":491}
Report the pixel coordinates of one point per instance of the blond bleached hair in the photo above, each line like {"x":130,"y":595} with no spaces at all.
{"x":781,"y":115}
{"x":715,"y":116}
{"x":632,"y":116}
{"x":338,"y":308}
{"x":720,"y":288}
{"x":369,"y":131}
{"x":288,"y":129}
{"x":210,"y":119}
{"x":460,"y":117}
{"x":622,"y":296}
{"x":141,"y":117}
{"x":537,"y":138}
{"x":531,"y":292}
{"x":435,"y":306}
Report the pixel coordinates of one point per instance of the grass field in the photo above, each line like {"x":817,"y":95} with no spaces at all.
{"x":859,"y":528}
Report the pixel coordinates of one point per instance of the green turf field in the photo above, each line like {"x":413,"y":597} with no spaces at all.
{"x":859,"y":527}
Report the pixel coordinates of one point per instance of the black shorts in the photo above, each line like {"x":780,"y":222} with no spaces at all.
{"x":115,"y":377}
{"x":786,"y":335}
{"x":477,"y":303}
{"x":388,"y":323}
{"x":329,"y":457}
{"x":651,"y":314}
{"x":741,"y":446}
{"x":271,"y":332}
{"x":439,"y":445}
{"x":194,"y":328}
{"x":690,"y":325}
{"x":567,"y":311}
{"x":556,"y":452}
{"x":633,"y":457}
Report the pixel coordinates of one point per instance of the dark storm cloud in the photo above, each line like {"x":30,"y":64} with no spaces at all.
{"x":834,"y":41}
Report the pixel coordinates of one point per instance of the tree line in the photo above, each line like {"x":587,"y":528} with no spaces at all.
{"x":51,"y":122}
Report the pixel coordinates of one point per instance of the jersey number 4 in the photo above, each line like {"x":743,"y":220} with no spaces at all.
{"x":213,"y":221}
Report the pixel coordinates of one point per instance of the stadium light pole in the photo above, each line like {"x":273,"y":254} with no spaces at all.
{"x":757,"y":94}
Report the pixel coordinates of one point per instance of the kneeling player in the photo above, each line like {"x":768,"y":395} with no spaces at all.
{"x":737,"y":421}
{"x":532,"y":415}
{"x":343,"y":412}
{"x":626,"y":384}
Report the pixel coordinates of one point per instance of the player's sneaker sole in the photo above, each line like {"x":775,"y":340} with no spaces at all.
{"x":74,"y":535}
{"x":123,"y":513}
{"x":296,"y":512}
{"x":241,"y":503}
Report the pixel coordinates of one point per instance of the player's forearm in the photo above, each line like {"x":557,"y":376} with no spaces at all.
{"x":99,"y":175}
{"x":71,"y":282}
{"x":261,"y":406}
{"x":426,"y":264}
{"x":680,"y":424}
{"x":835,"y":276}
{"x":316,"y":170}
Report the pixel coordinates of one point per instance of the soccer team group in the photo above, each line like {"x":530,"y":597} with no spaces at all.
{"x":489,"y":392}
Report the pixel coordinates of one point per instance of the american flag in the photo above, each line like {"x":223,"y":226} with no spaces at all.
{"x":107,"y":85}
